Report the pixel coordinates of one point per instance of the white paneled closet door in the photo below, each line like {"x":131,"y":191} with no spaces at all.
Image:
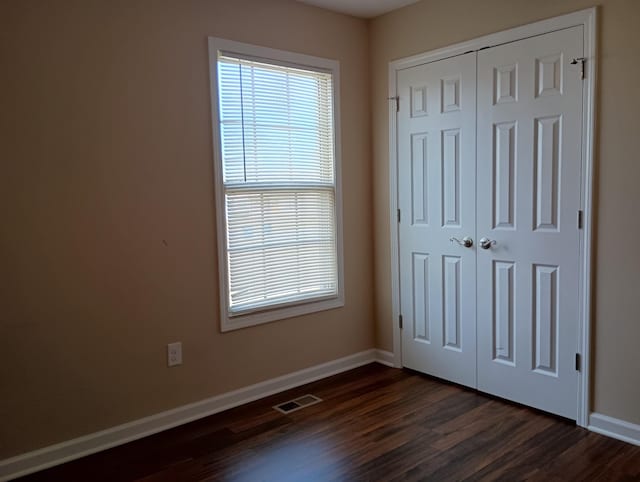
{"x":501,"y":314}
{"x":436,"y":169}
{"x":528,"y":177}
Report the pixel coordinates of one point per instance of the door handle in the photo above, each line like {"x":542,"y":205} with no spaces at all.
{"x":467,"y":242}
{"x":486,"y":243}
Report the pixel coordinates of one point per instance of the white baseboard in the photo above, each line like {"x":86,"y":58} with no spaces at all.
{"x":52,"y":455}
{"x":385,"y":358}
{"x":614,"y":427}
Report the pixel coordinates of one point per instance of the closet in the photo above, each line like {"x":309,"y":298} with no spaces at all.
{"x":489,"y":159}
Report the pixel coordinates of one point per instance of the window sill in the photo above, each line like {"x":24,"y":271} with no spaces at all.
{"x":252,"y":319}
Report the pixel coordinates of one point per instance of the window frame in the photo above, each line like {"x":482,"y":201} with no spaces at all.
{"x":276,"y":311}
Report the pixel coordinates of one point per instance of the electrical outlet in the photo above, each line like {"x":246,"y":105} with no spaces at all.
{"x":174,"y":354}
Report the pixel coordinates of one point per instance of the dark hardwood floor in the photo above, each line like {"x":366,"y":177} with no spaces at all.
{"x":375,"y":423}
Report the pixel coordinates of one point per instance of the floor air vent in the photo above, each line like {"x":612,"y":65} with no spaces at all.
{"x":297,"y":403}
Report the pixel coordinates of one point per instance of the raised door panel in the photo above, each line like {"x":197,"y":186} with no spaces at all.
{"x":420,"y":298}
{"x":546,"y":160}
{"x":545,"y":319}
{"x":503,"y":312}
{"x":419,"y":178}
{"x":504,"y":172}
{"x":450,"y":177}
{"x":451,"y":302}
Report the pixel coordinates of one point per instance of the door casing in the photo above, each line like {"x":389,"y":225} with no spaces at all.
{"x":587,"y":18}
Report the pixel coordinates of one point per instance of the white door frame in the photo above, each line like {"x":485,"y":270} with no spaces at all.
{"x":586,"y":18}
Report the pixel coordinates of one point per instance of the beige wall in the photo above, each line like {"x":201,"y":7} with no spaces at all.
{"x":436,"y":23}
{"x":107,"y":247}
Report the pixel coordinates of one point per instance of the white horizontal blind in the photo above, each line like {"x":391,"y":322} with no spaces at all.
{"x":276,"y":125}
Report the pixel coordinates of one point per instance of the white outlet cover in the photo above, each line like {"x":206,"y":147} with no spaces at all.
{"x":174,"y":354}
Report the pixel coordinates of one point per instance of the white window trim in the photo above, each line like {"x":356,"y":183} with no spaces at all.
{"x":280,"y":57}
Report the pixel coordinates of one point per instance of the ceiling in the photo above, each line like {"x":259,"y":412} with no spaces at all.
{"x":360,"y":8}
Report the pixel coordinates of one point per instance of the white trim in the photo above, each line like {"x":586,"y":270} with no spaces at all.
{"x":587,"y":19}
{"x":615,"y":428}
{"x":291,"y":59}
{"x":385,"y":358}
{"x":394,"y":213}
{"x":588,"y":136}
{"x":583,"y":17}
{"x":88,"y":444}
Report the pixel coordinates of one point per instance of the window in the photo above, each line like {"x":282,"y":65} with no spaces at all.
{"x":277,"y":183}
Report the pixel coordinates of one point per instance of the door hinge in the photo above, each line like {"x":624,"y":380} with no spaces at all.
{"x":400,"y":321}
{"x":580,"y":219}
{"x":397,"y":99}
{"x":582,"y":60}
{"x":399,"y":215}
{"x":578,"y":362}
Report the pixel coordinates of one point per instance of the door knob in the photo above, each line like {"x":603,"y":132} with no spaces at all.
{"x":467,"y":242}
{"x":486,"y":243}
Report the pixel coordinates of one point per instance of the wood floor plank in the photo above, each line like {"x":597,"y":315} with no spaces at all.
{"x":374,"y":423}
